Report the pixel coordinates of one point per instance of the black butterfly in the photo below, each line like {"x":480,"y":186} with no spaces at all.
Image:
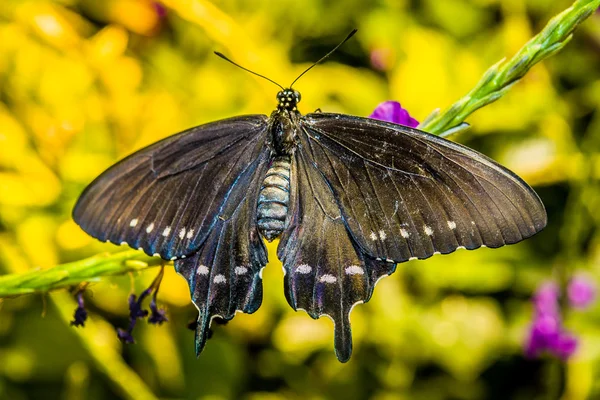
{"x":349,"y":197}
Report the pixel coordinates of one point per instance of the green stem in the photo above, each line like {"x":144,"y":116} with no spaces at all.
{"x":497,"y":80}
{"x":493,"y":85}
{"x":64,"y":275}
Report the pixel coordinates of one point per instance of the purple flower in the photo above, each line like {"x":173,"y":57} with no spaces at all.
{"x":565,"y":345}
{"x":546,"y":298}
{"x":125,"y":336}
{"x":547,"y":333}
{"x":392,"y":111}
{"x":81,"y":314}
{"x":581,"y":292}
{"x":136,"y":311}
{"x":157,"y":316}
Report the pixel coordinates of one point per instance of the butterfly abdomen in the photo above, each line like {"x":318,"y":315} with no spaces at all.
{"x":274,"y":198}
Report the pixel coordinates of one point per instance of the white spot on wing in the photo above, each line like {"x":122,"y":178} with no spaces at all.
{"x":404,"y":233}
{"x":150,"y":228}
{"x":303,"y":269}
{"x":190,"y":234}
{"x":428,"y":231}
{"x":412,"y":258}
{"x":451,"y":224}
{"x":373,"y":236}
{"x":240,"y":270}
{"x":461,"y":247}
{"x":353,"y":270}
{"x":382,"y":235}
{"x":182,"y":233}
{"x":167,"y":231}
{"x":202,"y":270}
{"x":327,"y":278}
{"x":219,"y":279}
{"x":133,"y":222}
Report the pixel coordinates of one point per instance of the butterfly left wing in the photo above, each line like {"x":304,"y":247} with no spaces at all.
{"x":326,"y":273}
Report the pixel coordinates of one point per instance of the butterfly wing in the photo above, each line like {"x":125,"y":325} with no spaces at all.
{"x":192,"y":197}
{"x":224,"y":274}
{"x":165,"y":198}
{"x":404,"y":193}
{"x":326,"y":273}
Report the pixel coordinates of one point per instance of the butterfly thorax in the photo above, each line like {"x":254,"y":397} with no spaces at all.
{"x":282,"y":131}
{"x":283,"y":123}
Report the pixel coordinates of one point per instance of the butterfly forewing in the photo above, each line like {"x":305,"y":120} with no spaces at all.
{"x":404,"y":193}
{"x":166,"y":198}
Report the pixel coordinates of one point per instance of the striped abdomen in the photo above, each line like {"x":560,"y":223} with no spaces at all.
{"x":274,"y":198}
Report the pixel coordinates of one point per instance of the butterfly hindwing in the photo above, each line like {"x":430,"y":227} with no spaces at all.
{"x":166,"y":198}
{"x":404,"y":193}
{"x":326,"y":274}
{"x":224,"y":274}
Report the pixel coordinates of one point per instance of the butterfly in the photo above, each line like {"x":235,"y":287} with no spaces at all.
{"x":348,"y":197}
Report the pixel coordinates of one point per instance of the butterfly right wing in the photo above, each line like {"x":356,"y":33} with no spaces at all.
{"x":224,"y":275}
{"x":193,"y":197}
{"x":166,"y":198}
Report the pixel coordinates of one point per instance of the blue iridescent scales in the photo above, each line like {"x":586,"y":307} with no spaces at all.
{"x":357,"y":196}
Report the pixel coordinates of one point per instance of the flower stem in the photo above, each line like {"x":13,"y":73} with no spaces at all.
{"x":89,"y":269}
{"x":499,"y":78}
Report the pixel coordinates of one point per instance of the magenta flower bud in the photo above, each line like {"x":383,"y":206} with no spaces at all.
{"x":392,"y":111}
{"x":581,"y":292}
{"x":546,"y":298}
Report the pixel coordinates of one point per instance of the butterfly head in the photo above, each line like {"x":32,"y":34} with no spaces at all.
{"x":288,"y":99}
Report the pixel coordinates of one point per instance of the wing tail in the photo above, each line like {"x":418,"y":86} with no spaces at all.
{"x":326,"y":273}
{"x":224,"y":275}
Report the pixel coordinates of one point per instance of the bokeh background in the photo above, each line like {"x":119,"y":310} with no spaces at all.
{"x":84,"y":83}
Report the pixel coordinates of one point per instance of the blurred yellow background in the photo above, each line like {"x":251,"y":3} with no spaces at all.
{"x":84,"y":83}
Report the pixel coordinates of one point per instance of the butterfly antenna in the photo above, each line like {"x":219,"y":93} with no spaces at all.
{"x":326,"y":55}
{"x":246,"y":69}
